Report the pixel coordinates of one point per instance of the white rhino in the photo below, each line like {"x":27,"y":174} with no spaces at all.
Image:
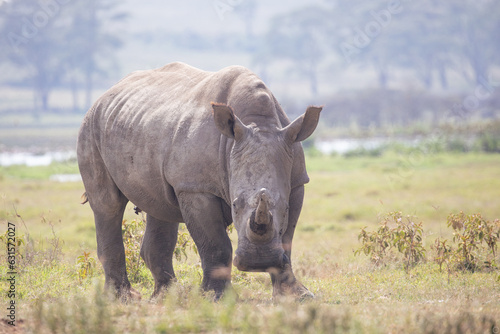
{"x":204,"y":148}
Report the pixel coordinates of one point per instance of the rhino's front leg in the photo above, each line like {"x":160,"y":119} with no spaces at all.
{"x":284,"y":281}
{"x":202,"y":213}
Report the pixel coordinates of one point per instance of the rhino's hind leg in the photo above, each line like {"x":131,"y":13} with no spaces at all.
{"x":110,"y":250}
{"x":157,"y":249}
{"x":108,"y":204}
{"x":204,"y":219}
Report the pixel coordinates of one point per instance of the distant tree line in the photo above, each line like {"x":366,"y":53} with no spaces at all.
{"x":59,"y":42}
{"x":431,"y":38}
{"x":56,"y":43}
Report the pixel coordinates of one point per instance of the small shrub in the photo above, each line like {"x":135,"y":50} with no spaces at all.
{"x":133,"y":233}
{"x":85,"y":266}
{"x":184,"y":242}
{"x":476,"y":244}
{"x":404,"y":235}
{"x":442,"y":251}
{"x":407,"y":238}
{"x":492,"y":235}
{"x":471,"y":232}
{"x":489,"y":142}
{"x":375,"y":244}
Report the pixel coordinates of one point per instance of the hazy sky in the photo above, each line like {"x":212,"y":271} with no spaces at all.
{"x":208,"y":16}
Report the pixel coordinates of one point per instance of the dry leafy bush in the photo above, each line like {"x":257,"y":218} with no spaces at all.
{"x":133,"y":233}
{"x":476,"y":240}
{"x":184,"y":243}
{"x":85,"y":266}
{"x":474,"y":247}
{"x":442,"y":252}
{"x":395,"y":232}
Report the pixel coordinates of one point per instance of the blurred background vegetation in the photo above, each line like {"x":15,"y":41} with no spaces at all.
{"x":381,"y":68}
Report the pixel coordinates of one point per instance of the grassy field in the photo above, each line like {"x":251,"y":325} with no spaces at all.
{"x":353,"y":294}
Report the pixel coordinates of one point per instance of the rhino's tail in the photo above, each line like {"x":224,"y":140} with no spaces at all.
{"x":84,"y":198}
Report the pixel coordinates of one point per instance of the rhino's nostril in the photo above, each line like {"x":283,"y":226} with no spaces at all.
{"x":286,"y":260}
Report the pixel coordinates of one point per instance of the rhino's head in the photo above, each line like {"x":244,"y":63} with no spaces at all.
{"x":260,"y":183}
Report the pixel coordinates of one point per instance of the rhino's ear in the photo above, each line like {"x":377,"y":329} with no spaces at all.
{"x":303,"y":126}
{"x":227,"y":122}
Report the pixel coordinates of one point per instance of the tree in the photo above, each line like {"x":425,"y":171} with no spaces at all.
{"x":93,"y":43}
{"x":419,"y":39}
{"x":299,"y":37}
{"x":30,"y":41}
{"x":477,"y":29}
{"x":55,"y":42}
{"x":361,"y":34}
{"x":453,"y":35}
{"x":431,"y":37}
{"x":246,"y":10}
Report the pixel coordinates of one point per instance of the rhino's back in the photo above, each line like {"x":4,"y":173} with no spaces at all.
{"x":155,"y":133}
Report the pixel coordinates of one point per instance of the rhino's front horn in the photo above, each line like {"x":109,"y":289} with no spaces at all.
{"x":260,"y":224}
{"x":262,"y":214}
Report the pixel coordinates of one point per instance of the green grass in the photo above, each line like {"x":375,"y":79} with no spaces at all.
{"x":40,"y":173}
{"x":352,"y":294}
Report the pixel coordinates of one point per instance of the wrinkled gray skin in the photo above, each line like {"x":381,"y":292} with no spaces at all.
{"x":203,"y":148}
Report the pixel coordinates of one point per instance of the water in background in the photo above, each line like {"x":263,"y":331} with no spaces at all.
{"x":44,"y":159}
{"x":343,"y":146}
{"x":34,"y":159}
{"x":339,"y":146}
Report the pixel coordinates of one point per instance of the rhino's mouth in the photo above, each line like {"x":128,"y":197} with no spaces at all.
{"x":260,"y":258}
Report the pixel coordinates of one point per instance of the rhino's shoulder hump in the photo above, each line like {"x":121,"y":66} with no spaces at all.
{"x":178,"y":67}
{"x":235,"y":71}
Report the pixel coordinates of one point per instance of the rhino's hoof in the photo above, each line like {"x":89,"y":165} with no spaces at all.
{"x":305,"y":296}
{"x":135,"y":295}
{"x":297,"y":291}
{"x":131,"y":295}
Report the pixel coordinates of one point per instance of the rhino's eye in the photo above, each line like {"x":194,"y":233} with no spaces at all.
{"x":238,"y":202}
